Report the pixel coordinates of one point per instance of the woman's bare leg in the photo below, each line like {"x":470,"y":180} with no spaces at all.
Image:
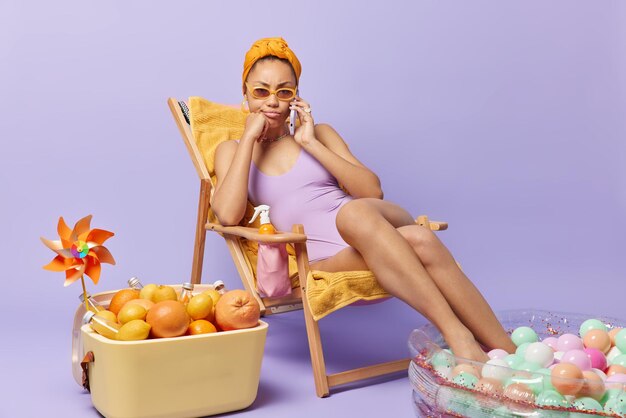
{"x":462,"y":295}
{"x":375,"y":230}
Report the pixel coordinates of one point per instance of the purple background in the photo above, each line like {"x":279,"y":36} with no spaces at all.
{"x":506,"y":119}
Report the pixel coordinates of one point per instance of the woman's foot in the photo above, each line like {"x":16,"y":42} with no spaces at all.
{"x":465,"y":346}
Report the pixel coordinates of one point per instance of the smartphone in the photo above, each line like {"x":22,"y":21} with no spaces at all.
{"x":292,"y":118}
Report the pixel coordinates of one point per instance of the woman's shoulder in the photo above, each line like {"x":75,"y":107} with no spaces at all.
{"x":227,"y":145}
{"x":327,"y":135}
{"x":226,"y":150}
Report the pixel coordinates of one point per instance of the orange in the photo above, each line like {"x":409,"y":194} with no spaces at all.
{"x":237,"y":309}
{"x":201,"y":326}
{"x":121,"y":297}
{"x":168,"y":318}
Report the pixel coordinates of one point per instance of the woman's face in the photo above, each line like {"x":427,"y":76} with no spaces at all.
{"x":271,"y":74}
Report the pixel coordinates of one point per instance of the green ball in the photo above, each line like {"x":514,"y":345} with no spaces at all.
{"x":616,"y":405}
{"x":467,"y":380}
{"x":587,"y":404}
{"x":523,"y":335}
{"x":590,"y":324}
{"x":610,"y":394}
{"x":551,"y":398}
{"x":620,"y":340}
{"x":546,"y":375}
{"x":443,"y":358}
{"x":513,"y":360}
{"x":620,"y":360}
{"x":521,"y":349}
{"x":534,"y":382}
{"x":529,"y":366}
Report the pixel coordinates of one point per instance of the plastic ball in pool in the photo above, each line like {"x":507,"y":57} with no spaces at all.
{"x":597,"y":358}
{"x":530,"y":393}
{"x":539,"y":353}
{"x":590,"y":324}
{"x":523,"y":335}
{"x":587,"y":404}
{"x":552,"y":398}
{"x":598,"y":339}
{"x":619,"y":360}
{"x":568,"y":342}
{"x":616,"y":405}
{"x":497,"y":353}
{"x":620,"y":340}
{"x":578,"y":358}
{"x":593,"y":386}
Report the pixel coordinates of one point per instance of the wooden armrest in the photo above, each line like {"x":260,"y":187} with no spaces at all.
{"x":438,"y":226}
{"x":433,"y":225}
{"x":253,"y":234}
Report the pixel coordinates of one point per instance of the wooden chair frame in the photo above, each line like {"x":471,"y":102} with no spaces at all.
{"x":269,"y":306}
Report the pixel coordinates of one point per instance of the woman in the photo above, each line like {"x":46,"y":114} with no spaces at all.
{"x":299,"y":177}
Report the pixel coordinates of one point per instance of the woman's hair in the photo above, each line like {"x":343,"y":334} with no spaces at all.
{"x":271,"y":49}
{"x":273,"y":58}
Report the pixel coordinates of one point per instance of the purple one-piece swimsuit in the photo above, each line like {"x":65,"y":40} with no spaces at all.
{"x":307,"y":194}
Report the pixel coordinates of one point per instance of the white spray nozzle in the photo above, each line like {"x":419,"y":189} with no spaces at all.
{"x":264,"y":210}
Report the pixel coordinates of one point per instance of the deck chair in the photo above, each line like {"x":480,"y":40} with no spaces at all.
{"x":236,"y":237}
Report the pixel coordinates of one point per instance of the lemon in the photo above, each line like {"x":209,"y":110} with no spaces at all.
{"x":108,"y":315}
{"x":131,"y":312}
{"x":215,"y":295}
{"x":200,"y":306}
{"x":134,"y":330}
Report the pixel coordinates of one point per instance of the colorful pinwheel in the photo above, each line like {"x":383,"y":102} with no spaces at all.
{"x":79,"y":251}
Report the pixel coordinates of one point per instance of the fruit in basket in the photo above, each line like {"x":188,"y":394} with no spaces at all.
{"x":200,"y":306}
{"x":215,"y":295}
{"x":237,"y":309}
{"x":130,"y":312}
{"x":201,"y":326}
{"x":164,"y":292}
{"x":147,"y":292}
{"x":147,"y":304}
{"x":134,"y":330}
{"x":168,"y":318}
{"x":108,"y":315}
{"x":120,"y":298}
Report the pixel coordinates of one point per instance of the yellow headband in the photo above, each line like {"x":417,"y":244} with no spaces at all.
{"x":270,"y":46}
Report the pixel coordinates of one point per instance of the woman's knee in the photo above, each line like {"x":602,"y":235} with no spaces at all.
{"x":355,"y":217}
{"x":422,"y":239}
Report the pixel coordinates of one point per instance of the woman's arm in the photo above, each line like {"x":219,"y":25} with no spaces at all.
{"x":333,"y":153}
{"x":232,"y":165}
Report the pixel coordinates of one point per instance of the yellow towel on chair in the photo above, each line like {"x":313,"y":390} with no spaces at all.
{"x":327,"y":292}
{"x":212,"y":124}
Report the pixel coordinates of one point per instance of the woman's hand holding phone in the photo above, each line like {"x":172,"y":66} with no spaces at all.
{"x":305,"y":134}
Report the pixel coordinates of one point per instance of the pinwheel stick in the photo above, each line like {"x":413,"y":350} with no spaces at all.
{"x":82,"y":281}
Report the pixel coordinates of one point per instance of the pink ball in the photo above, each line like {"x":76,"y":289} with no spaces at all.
{"x":568,"y":342}
{"x":551,"y":342}
{"x":497,"y":353}
{"x":578,"y":358}
{"x":616,"y":381}
{"x":597,"y":357}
